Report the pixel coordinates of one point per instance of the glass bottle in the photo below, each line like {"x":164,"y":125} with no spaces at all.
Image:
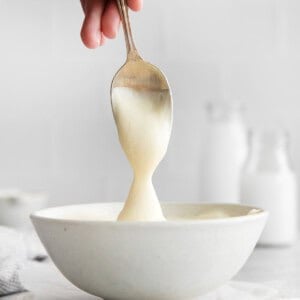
{"x":269,"y":181}
{"x":224,"y":153}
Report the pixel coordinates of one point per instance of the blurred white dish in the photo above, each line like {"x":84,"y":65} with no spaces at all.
{"x":16,"y":207}
{"x":179,"y":259}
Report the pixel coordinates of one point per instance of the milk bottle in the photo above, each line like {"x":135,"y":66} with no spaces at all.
{"x":268,"y":181}
{"x":224,"y":153}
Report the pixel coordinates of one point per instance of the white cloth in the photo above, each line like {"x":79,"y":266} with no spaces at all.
{"x":15,"y":248}
{"x":12,"y":256}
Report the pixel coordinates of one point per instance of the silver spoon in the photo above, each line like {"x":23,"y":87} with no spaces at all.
{"x":138,"y":74}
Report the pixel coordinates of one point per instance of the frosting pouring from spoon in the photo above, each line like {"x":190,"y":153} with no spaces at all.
{"x":142,"y":108}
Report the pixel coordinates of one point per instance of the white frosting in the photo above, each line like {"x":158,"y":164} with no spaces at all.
{"x":144,"y":129}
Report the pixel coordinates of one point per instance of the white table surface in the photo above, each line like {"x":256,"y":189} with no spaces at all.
{"x":275,"y":267}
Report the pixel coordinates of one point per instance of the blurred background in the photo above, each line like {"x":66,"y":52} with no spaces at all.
{"x":57,"y":132}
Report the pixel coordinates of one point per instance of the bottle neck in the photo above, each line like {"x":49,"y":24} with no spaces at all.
{"x":271,"y":161}
{"x":218,"y":112}
{"x":268,"y":155}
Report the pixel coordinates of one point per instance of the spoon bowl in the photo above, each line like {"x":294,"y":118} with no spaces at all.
{"x":138,"y":74}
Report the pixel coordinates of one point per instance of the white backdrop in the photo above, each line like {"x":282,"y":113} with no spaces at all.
{"x":56,"y":127}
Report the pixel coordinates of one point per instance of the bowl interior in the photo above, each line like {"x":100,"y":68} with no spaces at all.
{"x":172,"y":211}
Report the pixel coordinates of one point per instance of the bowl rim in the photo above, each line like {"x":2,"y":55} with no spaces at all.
{"x":259,"y":213}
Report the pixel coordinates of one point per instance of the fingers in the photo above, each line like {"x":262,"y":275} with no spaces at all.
{"x":102,"y":20}
{"x":135,"y":5}
{"x":110,"y":20}
{"x":91,"y":28}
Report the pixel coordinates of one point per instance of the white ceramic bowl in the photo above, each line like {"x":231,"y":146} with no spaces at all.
{"x":178,"y":259}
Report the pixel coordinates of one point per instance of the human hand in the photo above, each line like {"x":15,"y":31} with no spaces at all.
{"x":102,"y":20}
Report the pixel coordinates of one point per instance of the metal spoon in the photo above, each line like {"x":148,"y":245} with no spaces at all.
{"x":138,"y":74}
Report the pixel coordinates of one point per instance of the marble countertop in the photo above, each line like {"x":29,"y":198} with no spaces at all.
{"x":274,"y":267}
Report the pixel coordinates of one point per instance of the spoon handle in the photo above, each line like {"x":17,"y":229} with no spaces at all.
{"x":132,"y":53}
